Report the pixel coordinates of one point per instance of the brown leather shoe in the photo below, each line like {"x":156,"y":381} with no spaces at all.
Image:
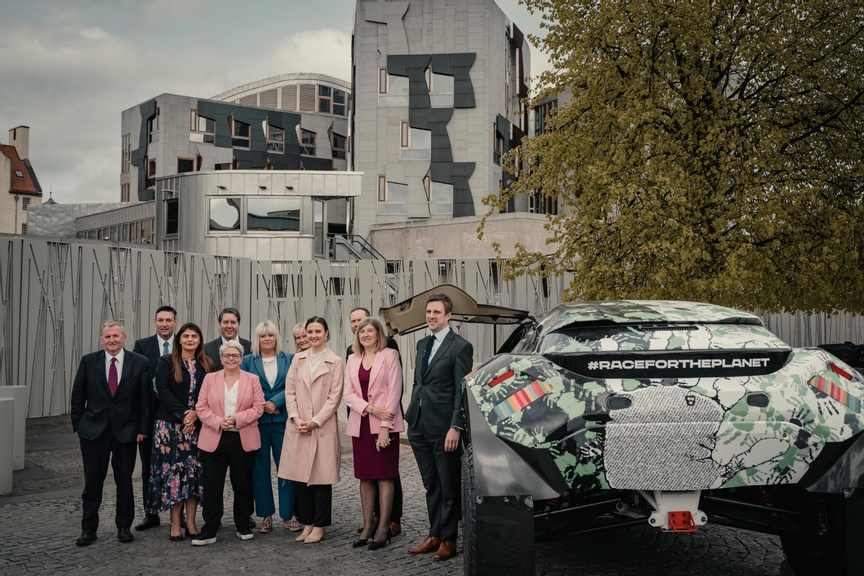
{"x":430,"y":544}
{"x":446,"y":551}
{"x":395,"y":528}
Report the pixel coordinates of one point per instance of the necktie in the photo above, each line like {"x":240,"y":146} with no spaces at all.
{"x":112,"y":377}
{"x":164,"y":348}
{"x":425,"y":364}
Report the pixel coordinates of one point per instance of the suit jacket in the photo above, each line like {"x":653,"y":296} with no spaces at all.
{"x":93,"y":408}
{"x":211,"y":410}
{"x":174,"y":396}
{"x":150,"y":348}
{"x":273,"y":391}
{"x":436,"y":398}
{"x":211,"y":349}
{"x":312,"y":458}
{"x":385,"y":390}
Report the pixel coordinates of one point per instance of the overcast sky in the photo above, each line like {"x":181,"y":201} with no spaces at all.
{"x":68,"y":68}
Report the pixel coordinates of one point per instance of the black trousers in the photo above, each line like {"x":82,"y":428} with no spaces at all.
{"x":314,"y":504}
{"x":145,"y":452}
{"x":442,"y":477}
{"x":95,"y":455}
{"x":396,"y":514}
{"x":228,"y":455}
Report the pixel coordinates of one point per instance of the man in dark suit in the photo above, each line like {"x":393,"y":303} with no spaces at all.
{"x":436,"y":420}
{"x":229,"y":327}
{"x":111,"y":402}
{"x":354,"y":318}
{"x":152,"y":348}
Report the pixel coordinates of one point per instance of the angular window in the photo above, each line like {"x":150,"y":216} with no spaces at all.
{"x":153,"y":128}
{"x":417,"y":146}
{"x":307,"y":142}
{"x":275,"y":137}
{"x":441,"y":202}
{"x":273,"y":215}
{"x":185,"y":165}
{"x":124,"y":192}
{"x":172,"y":217}
{"x":224,"y":214}
{"x":223,"y":166}
{"x":325,"y":96}
{"x":240,"y":133}
{"x":395,"y":89}
{"x":396,"y":198}
{"x":201,"y":129}
{"x":339,"y":102}
{"x":440,"y":88}
{"x":339,"y":145}
{"x":126,"y":153}
{"x":498,"y":150}
{"x":150,"y":181}
{"x":147,"y":231}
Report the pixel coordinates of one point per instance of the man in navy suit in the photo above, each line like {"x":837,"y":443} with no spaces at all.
{"x":152,"y":348}
{"x":111,"y":402}
{"x":229,"y":328}
{"x":436,"y":420}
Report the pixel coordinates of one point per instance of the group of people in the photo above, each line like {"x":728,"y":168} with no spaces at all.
{"x":200,"y":411}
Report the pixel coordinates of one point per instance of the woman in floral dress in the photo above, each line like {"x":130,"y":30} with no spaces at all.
{"x":175,"y":469}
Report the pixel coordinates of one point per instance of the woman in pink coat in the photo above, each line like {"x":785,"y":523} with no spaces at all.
{"x":310,"y":452}
{"x":373,"y":388}
{"x":229,"y":405}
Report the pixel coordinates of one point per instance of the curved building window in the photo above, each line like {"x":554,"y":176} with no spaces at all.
{"x":273,"y":215}
{"x":224,"y":214}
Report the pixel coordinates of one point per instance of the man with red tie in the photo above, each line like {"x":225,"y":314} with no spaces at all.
{"x":111,"y":402}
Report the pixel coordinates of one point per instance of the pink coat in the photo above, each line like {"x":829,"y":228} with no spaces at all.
{"x":211,"y":410}
{"x":385,"y":391}
{"x":312,"y":458}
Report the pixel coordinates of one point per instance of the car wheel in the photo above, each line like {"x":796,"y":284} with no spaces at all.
{"x":833,"y":547}
{"x":499,"y":531}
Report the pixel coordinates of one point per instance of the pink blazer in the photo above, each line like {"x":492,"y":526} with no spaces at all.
{"x":211,"y":410}
{"x":385,"y":390}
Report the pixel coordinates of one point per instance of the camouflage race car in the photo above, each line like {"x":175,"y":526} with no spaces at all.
{"x":676,"y":414}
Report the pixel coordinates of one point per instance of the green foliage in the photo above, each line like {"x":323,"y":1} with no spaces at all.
{"x":711,"y":151}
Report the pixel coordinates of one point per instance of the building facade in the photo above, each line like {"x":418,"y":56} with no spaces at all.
{"x":18,"y":181}
{"x":437,"y":100}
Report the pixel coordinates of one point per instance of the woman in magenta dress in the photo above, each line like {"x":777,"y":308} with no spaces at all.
{"x":373,"y":388}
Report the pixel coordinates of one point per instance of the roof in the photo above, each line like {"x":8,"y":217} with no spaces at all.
{"x":642,"y":311}
{"x":26,"y":183}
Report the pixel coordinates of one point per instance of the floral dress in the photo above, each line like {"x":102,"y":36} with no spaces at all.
{"x":175,"y":470}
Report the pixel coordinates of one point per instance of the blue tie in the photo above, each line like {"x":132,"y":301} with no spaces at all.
{"x":164,"y":348}
{"x":429,"y":344}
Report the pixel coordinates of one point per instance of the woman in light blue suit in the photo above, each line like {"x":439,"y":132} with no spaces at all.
{"x":270,"y":364}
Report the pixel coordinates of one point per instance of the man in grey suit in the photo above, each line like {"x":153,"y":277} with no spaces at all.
{"x":436,"y":420}
{"x":229,"y":328}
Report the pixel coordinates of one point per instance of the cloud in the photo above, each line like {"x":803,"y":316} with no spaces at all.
{"x":324,"y":51}
{"x":156,"y":10}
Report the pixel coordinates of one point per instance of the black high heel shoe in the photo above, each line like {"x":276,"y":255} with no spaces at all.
{"x":363,"y":541}
{"x":375,"y":545}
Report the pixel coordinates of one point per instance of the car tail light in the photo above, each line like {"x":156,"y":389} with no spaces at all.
{"x":837,"y":370}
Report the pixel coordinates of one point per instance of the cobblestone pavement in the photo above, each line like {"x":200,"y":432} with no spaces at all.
{"x":38,"y":537}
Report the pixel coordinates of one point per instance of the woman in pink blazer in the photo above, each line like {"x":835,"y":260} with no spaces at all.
{"x":373,"y":388}
{"x":229,"y":405}
{"x":310,"y":451}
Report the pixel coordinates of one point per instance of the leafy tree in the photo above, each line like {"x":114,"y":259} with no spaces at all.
{"x":711,"y":150}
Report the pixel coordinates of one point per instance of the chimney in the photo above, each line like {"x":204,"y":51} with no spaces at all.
{"x":20,"y":138}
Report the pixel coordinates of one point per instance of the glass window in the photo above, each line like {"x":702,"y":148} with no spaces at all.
{"x":240,"y":133}
{"x":201,"y":129}
{"x":224,"y":214}
{"x":126,"y":153}
{"x":275,"y":134}
{"x":324,"y":105}
{"x":172,"y":217}
{"x":339,"y":145}
{"x":25,"y":202}
{"x":307,"y":142}
{"x":396,"y":198}
{"x":396,"y":91}
{"x":419,"y":144}
{"x":185,"y":165}
{"x":223,"y":166}
{"x":273,"y":214}
{"x":318,"y":227}
{"x":339,"y":102}
{"x":324,"y":91}
{"x":147,"y":231}
{"x":442,"y":199}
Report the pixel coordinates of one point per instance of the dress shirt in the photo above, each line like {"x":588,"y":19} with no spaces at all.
{"x":231,"y":402}
{"x":118,"y":364}
{"x":162,"y":344}
{"x":439,"y":337}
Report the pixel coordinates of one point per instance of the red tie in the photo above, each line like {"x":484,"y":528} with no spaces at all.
{"x":112,"y":377}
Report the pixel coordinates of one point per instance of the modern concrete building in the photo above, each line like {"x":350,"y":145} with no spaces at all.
{"x":438,"y":89}
{"x":18,"y":180}
{"x":272,"y":214}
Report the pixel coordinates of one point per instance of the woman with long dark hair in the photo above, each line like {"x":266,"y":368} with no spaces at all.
{"x":175,"y":469}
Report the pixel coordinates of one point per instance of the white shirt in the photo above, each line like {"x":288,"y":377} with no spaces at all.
{"x":439,"y":338}
{"x":231,"y":401}
{"x":162,"y":342}
{"x":270,"y":370}
{"x":118,"y":364}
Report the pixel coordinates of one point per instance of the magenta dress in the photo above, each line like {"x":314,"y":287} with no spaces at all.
{"x":369,"y":463}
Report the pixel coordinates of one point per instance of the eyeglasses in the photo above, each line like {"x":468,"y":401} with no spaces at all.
{"x":232,"y":356}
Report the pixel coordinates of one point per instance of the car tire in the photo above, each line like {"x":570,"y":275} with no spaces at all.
{"x":837,"y":550}
{"x":499,"y":531}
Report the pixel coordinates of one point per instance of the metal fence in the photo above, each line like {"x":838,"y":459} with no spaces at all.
{"x":54,"y":297}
